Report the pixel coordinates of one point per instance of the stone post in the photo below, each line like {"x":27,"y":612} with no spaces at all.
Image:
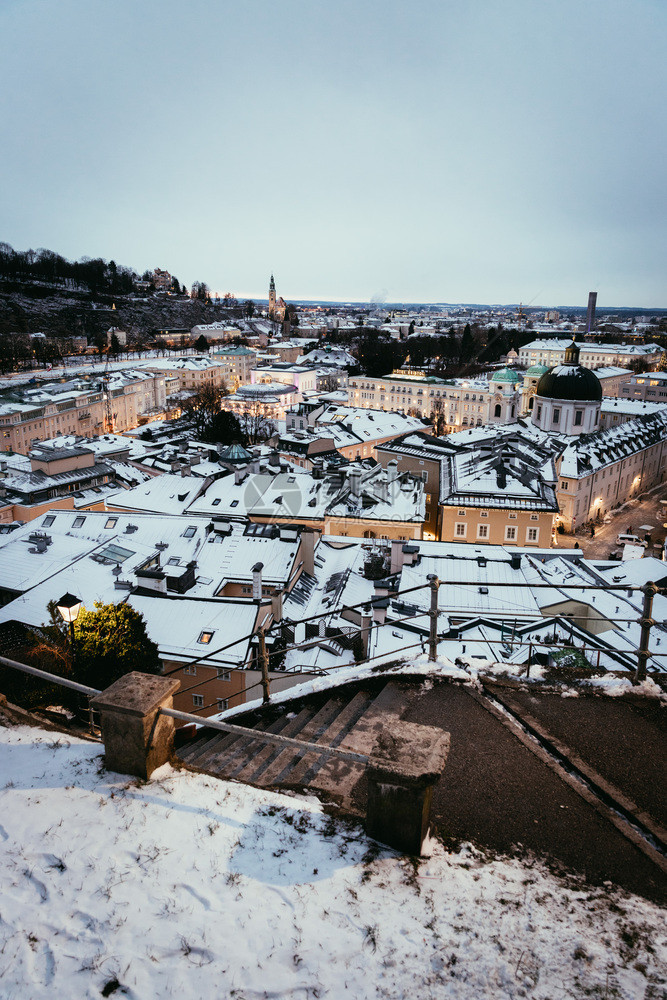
{"x":401,"y":776}
{"x":137,"y":739}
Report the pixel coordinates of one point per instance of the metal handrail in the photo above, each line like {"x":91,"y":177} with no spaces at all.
{"x":264,"y":737}
{"x":54,"y":678}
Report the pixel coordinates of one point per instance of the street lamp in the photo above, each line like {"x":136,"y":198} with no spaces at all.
{"x":69,"y":607}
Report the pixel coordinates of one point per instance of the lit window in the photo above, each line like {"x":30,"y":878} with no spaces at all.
{"x":198,"y":700}
{"x":191,"y":670}
{"x":111,"y":522}
{"x":205,"y":637}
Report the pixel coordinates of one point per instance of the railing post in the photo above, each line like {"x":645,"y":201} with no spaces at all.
{"x":646,"y":621}
{"x":434,"y":584}
{"x":264,"y":665}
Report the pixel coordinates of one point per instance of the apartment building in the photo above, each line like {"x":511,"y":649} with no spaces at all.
{"x":77,"y":407}
{"x":456,"y":402}
{"x":651,"y":386}
{"x":552,"y":352}
{"x":237,"y":364}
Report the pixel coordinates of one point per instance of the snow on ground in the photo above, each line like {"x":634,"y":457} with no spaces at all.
{"x":185,"y":886}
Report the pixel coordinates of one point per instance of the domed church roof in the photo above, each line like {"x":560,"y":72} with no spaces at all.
{"x":506,"y":375}
{"x":537,"y":370}
{"x":570,"y":380}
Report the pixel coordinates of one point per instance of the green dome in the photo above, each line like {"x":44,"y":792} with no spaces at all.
{"x":506,"y":375}
{"x":537,"y":370}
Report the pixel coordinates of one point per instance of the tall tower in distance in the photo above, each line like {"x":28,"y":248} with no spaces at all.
{"x":590,"y":315}
{"x":272,"y":298}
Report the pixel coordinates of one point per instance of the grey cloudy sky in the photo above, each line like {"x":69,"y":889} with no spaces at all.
{"x":477,"y":150}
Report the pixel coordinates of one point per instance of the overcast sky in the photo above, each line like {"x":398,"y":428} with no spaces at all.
{"x":416,"y":150}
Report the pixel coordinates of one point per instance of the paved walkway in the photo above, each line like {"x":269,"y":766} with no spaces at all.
{"x":644,"y":510}
{"x":497,"y":793}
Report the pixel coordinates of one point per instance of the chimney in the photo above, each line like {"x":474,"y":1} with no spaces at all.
{"x":382,"y":487}
{"x":366,"y":620}
{"x":392,"y":471}
{"x":274,"y":457}
{"x":354,"y":477}
{"x":257,"y":581}
{"x":515,"y":560}
{"x":308,"y":550}
{"x":277,"y":605}
{"x":239,"y":476}
{"x":380,"y":612}
{"x":396,"y":564}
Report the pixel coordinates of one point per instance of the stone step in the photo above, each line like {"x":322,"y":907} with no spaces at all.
{"x":340,"y":777}
{"x":310,"y":732}
{"x":226,"y":743}
{"x":200,"y":745}
{"x":278,"y":772}
{"x":258,"y":748}
{"x":224,"y":762}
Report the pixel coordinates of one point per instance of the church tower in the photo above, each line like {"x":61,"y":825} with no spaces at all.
{"x":272,"y":298}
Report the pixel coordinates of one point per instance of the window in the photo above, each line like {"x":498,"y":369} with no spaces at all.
{"x":223,"y":704}
{"x":48,"y":521}
{"x":460,"y":530}
{"x":224,"y":675}
{"x":496,"y":410}
{"x":510,"y":533}
{"x":578,"y":417}
{"x":216,"y":502}
{"x":532,"y":534}
{"x":198,"y":701}
{"x":205,"y":637}
{"x":425,"y":477}
{"x":111,"y":522}
{"x":191,"y":670}
{"x":173,"y":561}
{"x":534,"y":517}
{"x":484,"y":513}
{"x":190,"y":531}
{"x":78,"y":522}
{"x":556,"y":415}
{"x":234,"y":503}
{"x":564,"y":485}
{"x":539,"y":411}
{"x":482,"y":531}
{"x":512,"y":517}
{"x":462,"y":513}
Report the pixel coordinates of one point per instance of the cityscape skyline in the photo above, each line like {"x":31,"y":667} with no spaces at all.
{"x":365,"y":152}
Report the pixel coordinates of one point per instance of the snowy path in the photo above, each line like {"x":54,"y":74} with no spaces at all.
{"x":186,"y":886}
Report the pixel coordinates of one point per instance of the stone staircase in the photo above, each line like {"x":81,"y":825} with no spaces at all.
{"x":354,"y":718}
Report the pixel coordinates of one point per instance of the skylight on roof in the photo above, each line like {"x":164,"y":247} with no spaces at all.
{"x":190,"y":531}
{"x":205,"y":637}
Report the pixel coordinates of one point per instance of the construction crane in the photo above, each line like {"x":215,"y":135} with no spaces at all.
{"x":521,"y":315}
{"x":106,"y":395}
